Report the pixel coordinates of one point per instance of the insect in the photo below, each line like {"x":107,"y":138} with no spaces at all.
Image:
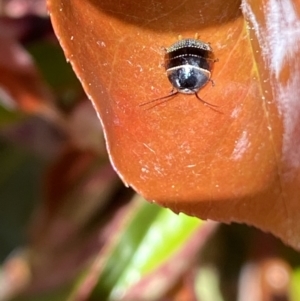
{"x":188,"y":64}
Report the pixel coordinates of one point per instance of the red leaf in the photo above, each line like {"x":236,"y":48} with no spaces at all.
{"x":20,"y":82}
{"x":239,"y":165}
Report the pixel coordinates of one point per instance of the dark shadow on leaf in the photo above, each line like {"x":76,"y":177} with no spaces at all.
{"x":159,"y":15}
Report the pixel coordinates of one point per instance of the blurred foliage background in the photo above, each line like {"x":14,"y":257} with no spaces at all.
{"x":70,"y":230}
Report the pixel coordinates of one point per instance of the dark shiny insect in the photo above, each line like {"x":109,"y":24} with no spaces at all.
{"x":188,"y":64}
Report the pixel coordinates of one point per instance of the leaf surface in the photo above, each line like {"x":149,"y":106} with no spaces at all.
{"x":237,"y":163}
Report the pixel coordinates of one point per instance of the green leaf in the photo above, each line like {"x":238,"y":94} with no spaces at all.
{"x":149,"y":239}
{"x":19,"y":190}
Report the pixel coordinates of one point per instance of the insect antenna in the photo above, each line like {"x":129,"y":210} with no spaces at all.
{"x":164,"y":99}
{"x":207,"y":103}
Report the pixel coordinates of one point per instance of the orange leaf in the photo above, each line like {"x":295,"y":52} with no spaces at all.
{"x":240,"y":164}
